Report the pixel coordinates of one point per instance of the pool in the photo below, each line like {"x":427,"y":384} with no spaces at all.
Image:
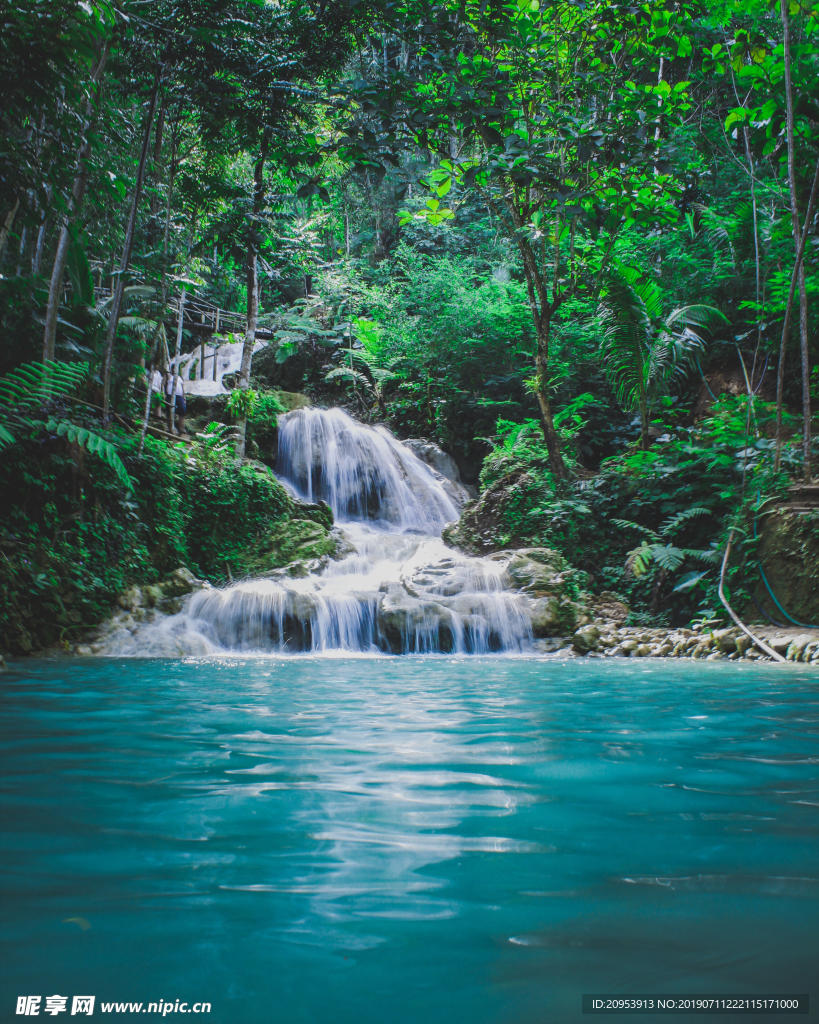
{"x":409,"y":839}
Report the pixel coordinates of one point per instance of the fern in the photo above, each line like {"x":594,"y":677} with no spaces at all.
{"x":95,"y":444}
{"x":673,"y":522}
{"x":35,"y":384}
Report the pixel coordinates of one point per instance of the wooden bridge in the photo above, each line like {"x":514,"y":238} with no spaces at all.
{"x":203,"y":318}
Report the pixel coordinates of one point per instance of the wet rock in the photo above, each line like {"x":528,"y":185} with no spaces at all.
{"x":586,"y":639}
{"x":483,"y":526}
{"x":3,"y":666}
{"x":320,"y":512}
{"x":295,"y":540}
{"x":131,"y":599}
{"x":546,"y":617}
{"x":445,"y":467}
{"x":412,"y":623}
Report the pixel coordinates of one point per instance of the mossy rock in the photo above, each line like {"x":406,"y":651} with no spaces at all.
{"x":296,"y":540}
{"x":789,"y":554}
{"x":498,"y":519}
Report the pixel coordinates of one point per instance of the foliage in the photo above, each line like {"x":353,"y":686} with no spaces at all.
{"x":29,"y":389}
{"x":643,"y":347}
{"x":242,"y":403}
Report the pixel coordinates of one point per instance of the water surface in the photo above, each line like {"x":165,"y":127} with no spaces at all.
{"x":407,"y":839}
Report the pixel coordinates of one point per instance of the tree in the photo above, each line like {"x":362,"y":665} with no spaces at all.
{"x":555,"y":115}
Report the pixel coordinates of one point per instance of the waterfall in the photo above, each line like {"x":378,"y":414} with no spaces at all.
{"x":399,"y":589}
{"x":361,"y":472}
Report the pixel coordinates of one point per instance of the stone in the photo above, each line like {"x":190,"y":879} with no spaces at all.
{"x":780,"y":644}
{"x":402,"y":616}
{"x":641,"y":650}
{"x":628,"y":646}
{"x":610,"y":607}
{"x":742,"y":643}
{"x":534,"y":570}
{"x":130,"y":599}
{"x":586,"y":639}
{"x":797,"y":646}
{"x":725,"y":640}
{"x":445,"y":468}
{"x":3,"y":666}
{"x":83,"y":651}
{"x":546,"y":618}
{"x":180,"y":583}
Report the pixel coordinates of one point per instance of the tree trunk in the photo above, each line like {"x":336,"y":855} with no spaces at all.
{"x":252,"y":294}
{"x":5,"y":232}
{"x":250,"y":341}
{"x":547,"y":424}
{"x":172,"y":404}
{"x":799,"y":269}
{"x":116,"y":303}
{"x":75,"y":202}
{"x":164,"y":301}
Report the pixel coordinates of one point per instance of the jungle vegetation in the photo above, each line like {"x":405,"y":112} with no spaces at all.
{"x":573,"y":244}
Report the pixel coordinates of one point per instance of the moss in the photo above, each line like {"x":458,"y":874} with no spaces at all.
{"x":500,"y":518}
{"x":789,"y":553}
{"x":296,"y":540}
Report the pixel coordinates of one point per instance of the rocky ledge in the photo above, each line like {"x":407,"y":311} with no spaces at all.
{"x":703,"y":641}
{"x":139,"y":606}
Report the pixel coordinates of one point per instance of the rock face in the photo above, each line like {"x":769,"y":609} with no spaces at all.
{"x":789,"y":554}
{"x":512,"y":597}
{"x":484,"y":523}
{"x":139,"y":606}
{"x":446,"y":469}
{"x":293,"y":541}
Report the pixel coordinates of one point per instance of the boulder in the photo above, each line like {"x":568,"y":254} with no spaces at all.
{"x":408,"y":622}
{"x":797,"y":646}
{"x":180,"y":583}
{"x":445,"y":468}
{"x":609,"y":607}
{"x":536,"y":570}
{"x":586,"y":639}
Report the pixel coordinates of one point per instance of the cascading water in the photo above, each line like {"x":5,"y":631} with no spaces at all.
{"x":399,"y":588}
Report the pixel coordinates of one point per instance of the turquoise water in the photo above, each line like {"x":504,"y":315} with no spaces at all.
{"x":428,"y":839}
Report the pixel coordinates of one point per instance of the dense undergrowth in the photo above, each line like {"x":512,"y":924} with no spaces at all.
{"x":72,"y":537}
{"x":649,"y":525}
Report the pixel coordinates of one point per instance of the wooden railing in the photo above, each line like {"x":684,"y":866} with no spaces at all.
{"x":204,"y":318}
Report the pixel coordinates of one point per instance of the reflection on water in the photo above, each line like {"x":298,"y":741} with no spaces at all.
{"x":401,"y":839}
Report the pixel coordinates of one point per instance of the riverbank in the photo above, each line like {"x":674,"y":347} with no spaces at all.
{"x":702,"y":641}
